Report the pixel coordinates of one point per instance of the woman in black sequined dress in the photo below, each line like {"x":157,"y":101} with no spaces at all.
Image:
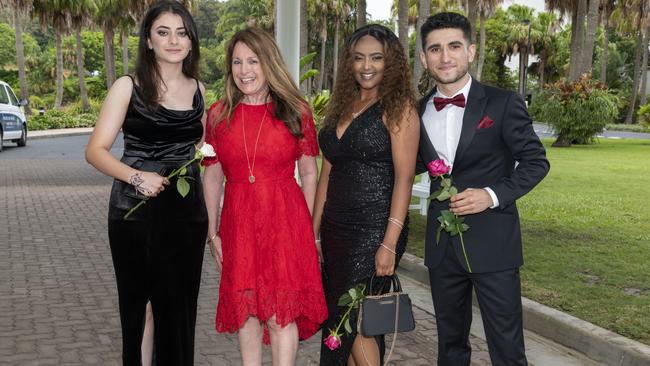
{"x":157,"y":251}
{"x":369,"y":141}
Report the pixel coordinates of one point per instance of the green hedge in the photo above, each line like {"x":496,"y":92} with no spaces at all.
{"x":59,"y":119}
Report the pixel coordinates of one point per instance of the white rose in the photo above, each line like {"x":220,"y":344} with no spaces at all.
{"x":207,"y":150}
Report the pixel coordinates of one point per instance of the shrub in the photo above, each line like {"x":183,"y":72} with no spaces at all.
{"x":627,"y":128}
{"x":60,"y":119}
{"x":577,"y":110}
{"x":35,"y":102}
{"x":644,"y":114}
{"x":77,"y":107}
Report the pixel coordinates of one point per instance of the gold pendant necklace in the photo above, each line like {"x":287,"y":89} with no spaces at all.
{"x":251,"y":168}
{"x":356,"y":114}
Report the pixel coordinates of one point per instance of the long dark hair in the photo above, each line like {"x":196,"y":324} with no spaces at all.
{"x":288,"y":103}
{"x":395,"y":92}
{"x":146,"y":66}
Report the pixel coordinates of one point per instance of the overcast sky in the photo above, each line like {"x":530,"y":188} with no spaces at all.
{"x":380,"y":9}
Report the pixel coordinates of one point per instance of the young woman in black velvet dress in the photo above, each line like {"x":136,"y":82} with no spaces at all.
{"x":369,"y":141}
{"x":157,"y":251}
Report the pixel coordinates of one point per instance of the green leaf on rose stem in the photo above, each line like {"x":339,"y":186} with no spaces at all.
{"x":436,"y":193}
{"x":202,"y":168}
{"x":183,"y":171}
{"x":182,"y":186}
{"x":447,"y":215}
{"x":453,"y":191}
{"x":445,"y":195}
{"x":464,"y":227}
{"x":446,"y":183}
{"x":345,"y":299}
{"x":347,"y":326}
{"x":353,"y":293}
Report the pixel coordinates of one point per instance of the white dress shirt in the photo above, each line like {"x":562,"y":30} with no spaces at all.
{"x":443,"y":128}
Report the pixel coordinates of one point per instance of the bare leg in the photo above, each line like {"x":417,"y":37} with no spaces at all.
{"x":284,"y":342}
{"x":250,"y":342}
{"x":370,"y":348}
{"x":147,"y":338}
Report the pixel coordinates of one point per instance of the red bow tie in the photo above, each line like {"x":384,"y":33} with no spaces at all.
{"x":440,"y":103}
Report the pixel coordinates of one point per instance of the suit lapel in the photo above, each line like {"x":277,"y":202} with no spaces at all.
{"x":474,"y":108}
{"x":427,"y":151}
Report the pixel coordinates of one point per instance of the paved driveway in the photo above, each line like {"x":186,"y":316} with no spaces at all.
{"x":58,"y":300}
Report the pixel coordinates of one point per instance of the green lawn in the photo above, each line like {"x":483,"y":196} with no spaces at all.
{"x":586,"y":232}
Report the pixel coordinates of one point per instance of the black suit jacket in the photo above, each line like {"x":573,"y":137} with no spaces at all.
{"x":486,"y":158}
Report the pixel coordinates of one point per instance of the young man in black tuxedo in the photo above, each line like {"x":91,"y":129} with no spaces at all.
{"x":486,"y":136}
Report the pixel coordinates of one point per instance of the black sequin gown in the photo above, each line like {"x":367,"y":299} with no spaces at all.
{"x":355,"y":215}
{"x":158,"y":251}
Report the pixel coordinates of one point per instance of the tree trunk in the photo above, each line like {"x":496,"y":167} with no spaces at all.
{"x":323,"y":49}
{"x":644,"y":66}
{"x":109,"y":59}
{"x":590,"y":37}
{"x":335,"y":66}
{"x":403,"y":24}
{"x":577,"y":52}
{"x":125,"y":52}
{"x":604,"y":59}
{"x":636,"y":78}
{"x":304,"y":43}
{"x":522,"y":68}
{"x":361,"y":13}
{"x":481,"y":51}
{"x":472,"y":15}
{"x":59,"y":71}
{"x":20,"y":60}
{"x":542,"y":66}
{"x":81,"y":72}
{"x":423,"y":13}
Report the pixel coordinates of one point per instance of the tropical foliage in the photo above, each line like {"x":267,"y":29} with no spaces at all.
{"x":66,"y":51}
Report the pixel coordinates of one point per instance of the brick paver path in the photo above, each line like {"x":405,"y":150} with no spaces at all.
{"x":58,"y":299}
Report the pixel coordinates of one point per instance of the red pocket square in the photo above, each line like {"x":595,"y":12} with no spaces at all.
{"x":486,"y":122}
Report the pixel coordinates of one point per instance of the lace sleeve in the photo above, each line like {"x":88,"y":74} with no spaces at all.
{"x":211,"y":133}
{"x":308,"y":144}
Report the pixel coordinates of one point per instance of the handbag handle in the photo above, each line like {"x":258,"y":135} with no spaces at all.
{"x":395,"y":283}
{"x":392,"y":346}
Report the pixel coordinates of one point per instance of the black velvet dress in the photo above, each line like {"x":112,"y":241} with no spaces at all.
{"x":355,"y":216}
{"x":158,"y":251}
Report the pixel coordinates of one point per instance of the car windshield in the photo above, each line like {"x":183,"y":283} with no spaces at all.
{"x":12,"y":96}
{"x":3,"y":95}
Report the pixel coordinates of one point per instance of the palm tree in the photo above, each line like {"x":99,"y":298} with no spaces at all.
{"x":590,"y":36}
{"x":56,"y":14}
{"x":518,"y":38}
{"x":80,"y":13}
{"x":424,"y":8}
{"x":485,"y":9}
{"x":608,"y":7}
{"x":546,"y":26}
{"x":638,"y":14}
{"x":304,"y":40}
{"x":319,"y":11}
{"x":361,"y":13}
{"x":19,"y":9}
{"x":340,"y":10}
{"x":402,"y":24}
{"x":108,"y":16}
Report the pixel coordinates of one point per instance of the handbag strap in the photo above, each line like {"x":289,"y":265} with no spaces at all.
{"x":396,"y":284}
{"x":392,"y":346}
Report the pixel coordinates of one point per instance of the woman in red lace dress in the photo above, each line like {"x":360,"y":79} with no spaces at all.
{"x":263,"y":241}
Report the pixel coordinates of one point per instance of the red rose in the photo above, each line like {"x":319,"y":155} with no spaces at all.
{"x":437,"y":167}
{"x":333,"y":341}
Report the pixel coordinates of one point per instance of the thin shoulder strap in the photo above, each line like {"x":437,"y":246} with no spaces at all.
{"x":198,"y":87}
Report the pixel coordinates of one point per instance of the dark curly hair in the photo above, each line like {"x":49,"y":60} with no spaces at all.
{"x":395,"y":92}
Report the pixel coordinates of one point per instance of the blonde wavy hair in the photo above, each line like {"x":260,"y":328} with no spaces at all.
{"x":288,"y":102}
{"x":395,"y":92}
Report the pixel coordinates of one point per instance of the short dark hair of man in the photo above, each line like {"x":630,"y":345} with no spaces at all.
{"x":444,"y":21}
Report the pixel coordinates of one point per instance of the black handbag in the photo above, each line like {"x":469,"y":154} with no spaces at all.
{"x":390,"y":313}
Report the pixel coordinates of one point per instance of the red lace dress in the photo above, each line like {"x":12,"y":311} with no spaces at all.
{"x":270,"y":263}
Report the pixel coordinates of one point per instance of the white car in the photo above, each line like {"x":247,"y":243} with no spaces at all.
{"x":13,"y":124}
